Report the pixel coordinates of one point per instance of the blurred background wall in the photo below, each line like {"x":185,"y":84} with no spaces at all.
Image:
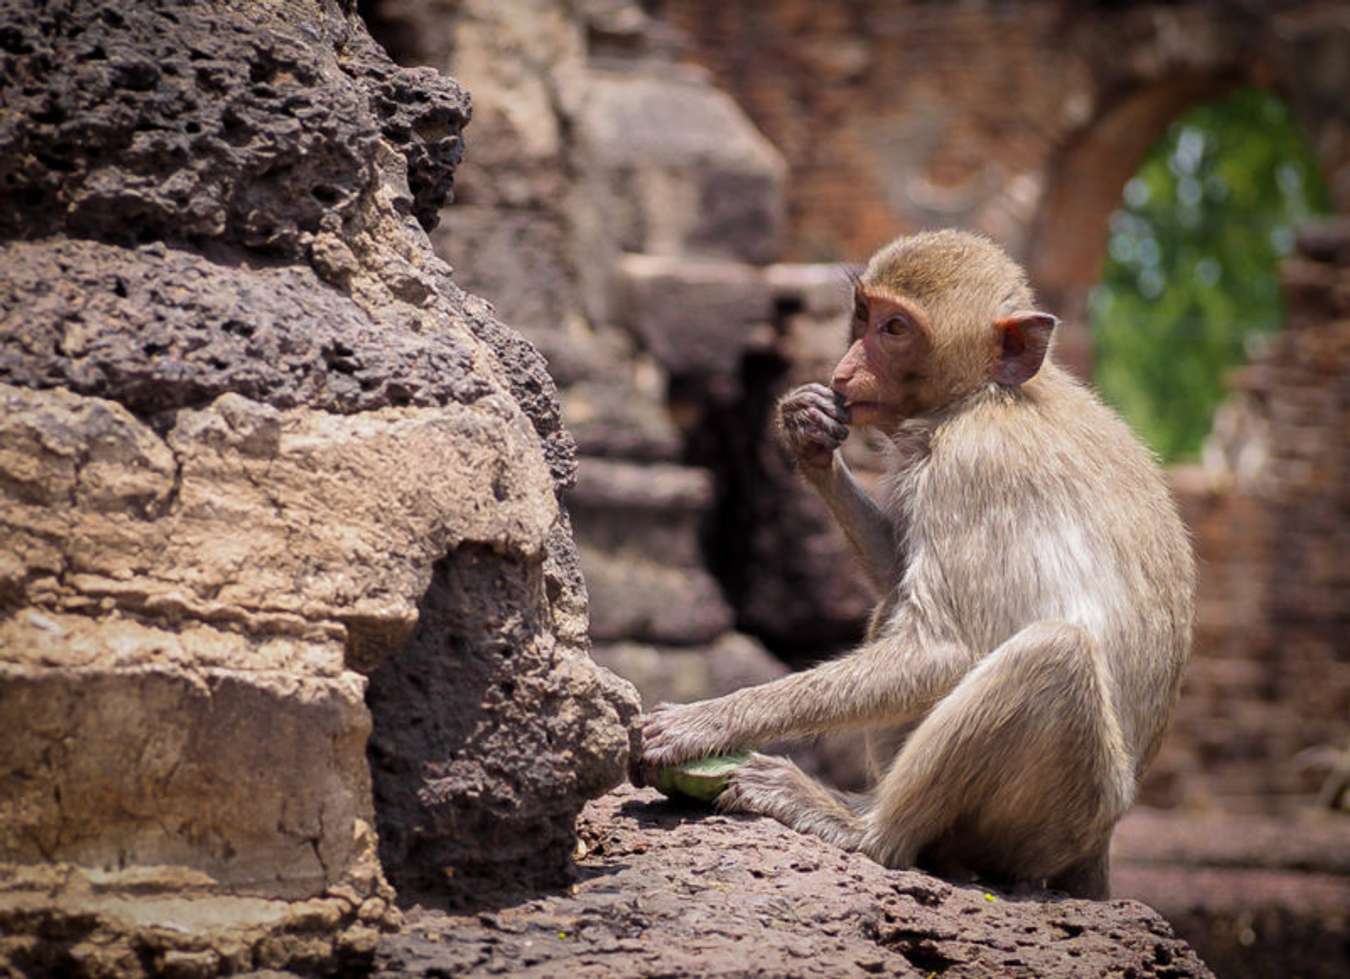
{"x":663,"y":196}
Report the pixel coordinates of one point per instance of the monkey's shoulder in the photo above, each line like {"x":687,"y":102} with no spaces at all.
{"x":1038,"y":462}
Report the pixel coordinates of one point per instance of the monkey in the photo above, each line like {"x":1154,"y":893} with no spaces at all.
{"x":1036,"y":581}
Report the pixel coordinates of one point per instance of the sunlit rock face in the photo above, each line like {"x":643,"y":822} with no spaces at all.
{"x":268,"y":481}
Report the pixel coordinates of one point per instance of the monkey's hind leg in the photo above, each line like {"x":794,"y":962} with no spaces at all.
{"x":767,"y":785}
{"x":1089,"y":877}
{"x":1021,"y":770}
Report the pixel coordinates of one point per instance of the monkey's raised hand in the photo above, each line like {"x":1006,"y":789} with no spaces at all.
{"x":813,"y":422}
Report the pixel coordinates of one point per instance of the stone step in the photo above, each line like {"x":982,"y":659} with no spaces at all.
{"x":1311,"y":841}
{"x":643,"y":513}
{"x":696,"y":316}
{"x":639,"y":599}
{"x":1249,"y":924}
{"x":615,"y":420}
{"x":684,"y":674}
{"x":612,"y":483}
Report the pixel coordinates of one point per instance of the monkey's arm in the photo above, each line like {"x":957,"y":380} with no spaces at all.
{"x":864,"y":523}
{"x":890,"y":680}
{"x":813,"y":423}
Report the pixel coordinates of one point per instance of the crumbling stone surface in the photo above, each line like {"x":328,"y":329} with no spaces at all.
{"x":664,"y":890}
{"x":267,"y":477}
{"x":168,"y":921}
{"x":482,"y":796}
{"x":123,"y":129}
{"x":91,"y":317}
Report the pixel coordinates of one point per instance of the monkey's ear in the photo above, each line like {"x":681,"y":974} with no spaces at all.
{"x":1023,"y":339}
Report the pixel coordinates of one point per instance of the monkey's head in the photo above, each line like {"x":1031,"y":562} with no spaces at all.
{"x":936,"y":317}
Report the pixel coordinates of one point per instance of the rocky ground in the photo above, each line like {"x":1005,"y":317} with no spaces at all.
{"x":664,"y":890}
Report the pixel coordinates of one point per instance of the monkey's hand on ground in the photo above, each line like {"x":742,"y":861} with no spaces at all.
{"x":813,"y":422}
{"x":675,"y":733}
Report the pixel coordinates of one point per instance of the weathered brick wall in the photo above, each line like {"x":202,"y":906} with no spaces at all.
{"x":895,"y":116}
{"x":1267,"y":697}
{"x":1305,"y":386}
{"x":1022,"y":120}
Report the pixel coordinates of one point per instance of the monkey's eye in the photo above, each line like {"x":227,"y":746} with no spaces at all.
{"x":896,"y":325}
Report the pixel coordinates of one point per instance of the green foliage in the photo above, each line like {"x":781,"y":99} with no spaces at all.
{"x":1190,"y":279}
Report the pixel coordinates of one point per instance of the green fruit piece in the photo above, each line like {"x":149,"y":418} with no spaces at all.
{"x":703,"y":779}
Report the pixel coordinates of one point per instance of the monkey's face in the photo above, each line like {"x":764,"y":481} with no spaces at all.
{"x":937,"y":316}
{"x":882,"y":378}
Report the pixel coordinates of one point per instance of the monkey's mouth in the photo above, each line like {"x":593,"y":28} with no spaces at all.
{"x":880,"y":415}
{"x":859,"y":410}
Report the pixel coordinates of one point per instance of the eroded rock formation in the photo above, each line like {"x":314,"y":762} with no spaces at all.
{"x":268,"y":478}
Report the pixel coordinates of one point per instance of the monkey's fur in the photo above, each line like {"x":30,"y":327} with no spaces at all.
{"x":1037,"y":592}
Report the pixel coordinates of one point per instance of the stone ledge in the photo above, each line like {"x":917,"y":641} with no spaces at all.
{"x":632,"y":486}
{"x":665,"y":890}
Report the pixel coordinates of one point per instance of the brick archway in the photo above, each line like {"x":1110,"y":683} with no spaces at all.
{"x":1022,"y":121}
{"x":1067,"y":243}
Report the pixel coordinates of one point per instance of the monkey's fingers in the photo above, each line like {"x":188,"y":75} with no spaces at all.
{"x":820,"y":397}
{"x":811,"y":417}
{"x":677,"y":734}
{"x":837,"y":432}
{"x":642,"y":773}
{"x":815,"y":428}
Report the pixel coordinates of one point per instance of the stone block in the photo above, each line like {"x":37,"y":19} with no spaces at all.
{"x":197,"y":529}
{"x":612,"y":418}
{"x":695,"y":316}
{"x":647,"y":600}
{"x":664,"y":674}
{"x":647,"y":513}
{"x":818,"y":289}
{"x":254,"y":778}
{"x":517,"y":258}
{"x":676,"y":168}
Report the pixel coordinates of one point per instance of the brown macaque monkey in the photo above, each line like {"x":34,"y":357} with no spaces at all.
{"x":1037,"y":592}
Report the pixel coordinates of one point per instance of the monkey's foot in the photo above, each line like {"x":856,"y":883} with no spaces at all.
{"x":767,"y":785}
